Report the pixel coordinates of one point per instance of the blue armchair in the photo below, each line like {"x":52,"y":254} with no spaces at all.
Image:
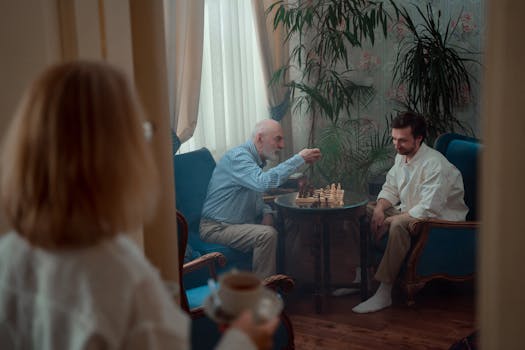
{"x":444,"y":249}
{"x":192,"y":298}
{"x":193,"y":171}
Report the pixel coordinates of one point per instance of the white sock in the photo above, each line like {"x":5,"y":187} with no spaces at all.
{"x":380,"y":300}
{"x":357,"y":278}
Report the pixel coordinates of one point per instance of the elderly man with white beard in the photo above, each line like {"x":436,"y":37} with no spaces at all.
{"x":234,"y":213}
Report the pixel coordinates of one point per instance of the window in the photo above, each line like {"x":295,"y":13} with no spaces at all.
{"x":233,"y":93}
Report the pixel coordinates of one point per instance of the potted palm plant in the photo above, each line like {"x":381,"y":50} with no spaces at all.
{"x":321,"y":34}
{"x":434,"y":71}
{"x":354,"y":151}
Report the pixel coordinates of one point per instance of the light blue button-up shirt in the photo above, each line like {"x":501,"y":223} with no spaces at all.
{"x":235,"y":192}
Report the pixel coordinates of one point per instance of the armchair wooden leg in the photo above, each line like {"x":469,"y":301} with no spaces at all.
{"x":287,"y":323}
{"x":411,"y":290}
{"x":283,"y":284}
{"x":279,"y":283}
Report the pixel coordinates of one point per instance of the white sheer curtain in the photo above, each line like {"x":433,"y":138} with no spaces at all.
{"x":233,"y":92}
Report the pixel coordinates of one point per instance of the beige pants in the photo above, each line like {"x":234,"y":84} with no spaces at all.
{"x":397,"y":246}
{"x":261,"y":239}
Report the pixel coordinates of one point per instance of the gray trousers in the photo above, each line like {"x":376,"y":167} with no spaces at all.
{"x":261,"y":239}
{"x":397,"y":247}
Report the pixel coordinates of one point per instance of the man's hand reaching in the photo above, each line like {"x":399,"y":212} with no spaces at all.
{"x":310,"y":155}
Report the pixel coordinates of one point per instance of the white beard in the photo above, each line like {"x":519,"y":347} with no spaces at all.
{"x":272,"y":155}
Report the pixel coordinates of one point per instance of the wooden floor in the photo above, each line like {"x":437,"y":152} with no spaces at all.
{"x":444,"y":313}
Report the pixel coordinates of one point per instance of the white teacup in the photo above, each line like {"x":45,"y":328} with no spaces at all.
{"x":239,"y":291}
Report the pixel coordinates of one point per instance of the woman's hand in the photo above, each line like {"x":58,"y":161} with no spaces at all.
{"x":261,"y":333}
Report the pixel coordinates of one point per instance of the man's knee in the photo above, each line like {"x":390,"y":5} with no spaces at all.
{"x":209,"y":228}
{"x":267,"y":234}
{"x":399,"y":224}
{"x":398,"y":232}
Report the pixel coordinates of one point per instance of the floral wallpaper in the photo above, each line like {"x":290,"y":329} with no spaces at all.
{"x":373,"y":65}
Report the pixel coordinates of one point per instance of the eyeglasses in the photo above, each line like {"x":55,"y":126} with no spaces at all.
{"x":148,"y":130}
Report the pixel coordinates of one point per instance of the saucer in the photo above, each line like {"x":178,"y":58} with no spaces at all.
{"x":269,"y":305}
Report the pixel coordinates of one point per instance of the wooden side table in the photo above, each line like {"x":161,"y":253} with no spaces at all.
{"x":320,"y":215}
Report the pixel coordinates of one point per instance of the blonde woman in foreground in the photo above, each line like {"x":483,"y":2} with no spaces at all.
{"x":76,"y":175}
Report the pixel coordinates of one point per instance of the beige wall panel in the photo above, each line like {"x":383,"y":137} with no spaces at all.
{"x":117,"y":34}
{"x":28,"y":43}
{"x":88,"y":28}
{"x":502,"y":286}
{"x":149,"y":59}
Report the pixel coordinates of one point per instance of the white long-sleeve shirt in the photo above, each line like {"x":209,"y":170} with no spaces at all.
{"x":427,"y":186}
{"x":103,"y":297}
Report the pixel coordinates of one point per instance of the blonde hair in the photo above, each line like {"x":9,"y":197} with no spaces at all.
{"x":76,"y":167}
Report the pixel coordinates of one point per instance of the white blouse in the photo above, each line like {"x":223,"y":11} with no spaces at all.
{"x":103,"y":297}
{"x":427,"y":186}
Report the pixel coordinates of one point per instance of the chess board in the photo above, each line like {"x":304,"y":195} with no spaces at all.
{"x":331,"y":194}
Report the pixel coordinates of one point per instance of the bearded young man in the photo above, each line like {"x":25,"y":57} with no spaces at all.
{"x":234,"y":212}
{"x":421,"y":184}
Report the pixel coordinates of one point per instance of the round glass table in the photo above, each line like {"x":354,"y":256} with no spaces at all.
{"x":321,"y":213}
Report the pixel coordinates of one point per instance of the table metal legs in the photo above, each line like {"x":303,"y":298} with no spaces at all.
{"x":321,"y":252}
{"x":363,"y":254}
{"x":326,"y":281}
{"x":281,"y":239}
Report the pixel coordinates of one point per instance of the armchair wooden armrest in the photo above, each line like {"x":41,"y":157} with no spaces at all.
{"x":420,"y":231}
{"x":420,"y":226}
{"x":440,"y":249}
{"x":208,"y":260}
{"x":279,"y":283}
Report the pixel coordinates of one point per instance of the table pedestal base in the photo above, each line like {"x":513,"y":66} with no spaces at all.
{"x":321,"y":221}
